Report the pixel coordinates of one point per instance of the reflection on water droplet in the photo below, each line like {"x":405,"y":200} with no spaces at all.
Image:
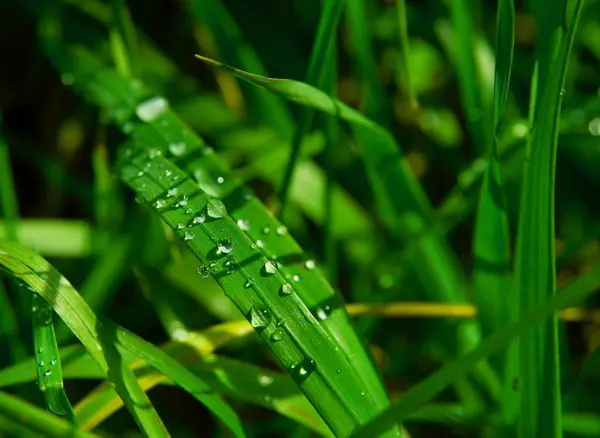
{"x":286,"y":289}
{"x":204,"y":271}
{"x":277,"y":335}
{"x":281,"y":230}
{"x":225,"y":246}
{"x":270,"y":268}
{"x":150,"y":109}
{"x":177,"y":149}
{"x":310,"y":264}
{"x":189,"y":235}
{"x":244,"y":224}
{"x":259,"y":317}
{"x":216,"y":209}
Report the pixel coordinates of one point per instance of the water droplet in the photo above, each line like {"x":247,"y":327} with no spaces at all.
{"x":230,"y":265}
{"x":204,"y":271}
{"x":264,"y":380}
{"x":266,"y":230}
{"x":244,"y":224}
{"x":166,"y":174}
{"x":323,"y":312}
{"x":180,"y":225}
{"x":281,"y":230}
{"x":177,"y":149}
{"x":562,"y":91}
{"x":249,"y":283}
{"x":41,"y":364}
{"x":150,"y":109}
{"x":220,"y":180}
{"x":270,"y":268}
{"x":362,"y":393}
{"x":260,"y":243}
{"x":189,"y":235}
{"x":128,"y":128}
{"x":53,"y":362}
{"x":182,"y":202}
{"x":301,"y":370}
{"x":338,"y":371}
{"x":594,"y":126}
{"x":296,"y":278}
{"x":277,"y":335}
{"x":286,"y":289}
{"x":216,"y":209}
{"x":172,"y":192}
{"x":199,"y":218}
{"x":259,"y":317}
{"x":160,"y":203}
{"x":153,"y":153}
{"x":225,"y":246}
{"x":48,"y":373}
{"x":41,"y":350}
{"x":310,"y":264}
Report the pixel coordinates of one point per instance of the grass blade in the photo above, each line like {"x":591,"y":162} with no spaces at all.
{"x":535,"y":259}
{"x":429,"y":388}
{"x":404,"y":67}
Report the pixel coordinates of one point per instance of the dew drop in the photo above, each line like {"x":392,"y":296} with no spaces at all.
{"x":172,"y":192}
{"x":310,"y":264}
{"x":153,"y":153}
{"x":301,"y":370}
{"x":281,"y":230}
{"x":177,"y":149}
{"x":53,"y":362}
{"x":362,"y":393}
{"x":189,"y":235}
{"x":286,"y":289}
{"x":166,"y":174}
{"x":199,"y":218}
{"x":182,"y":202}
{"x":41,"y":364}
{"x":180,"y":226}
{"x":260,"y":243}
{"x":323,"y":312}
{"x":266,"y":230}
{"x":270,"y":268}
{"x":160,"y":203}
{"x":244,"y":224}
{"x":338,"y":371}
{"x":48,"y":373}
{"x":259,"y":317}
{"x":150,"y":109}
{"x":296,"y":278}
{"x":230,"y":265}
{"x":203,"y":271}
{"x":41,"y":350}
{"x":220,"y":180}
{"x":225,"y":245}
{"x":216,"y":209}
{"x":277,"y":335}
{"x":264,"y":380}
{"x":249,"y":283}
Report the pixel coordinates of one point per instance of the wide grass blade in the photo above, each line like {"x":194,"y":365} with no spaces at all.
{"x":102,"y":339}
{"x":535,"y":257}
{"x":429,"y":388}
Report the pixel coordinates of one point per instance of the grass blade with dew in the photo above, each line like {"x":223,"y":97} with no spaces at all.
{"x":535,"y":275}
{"x":322,"y":50}
{"x":402,"y":203}
{"x":37,"y":420}
{"x":423,"y":392}
{"x":102,"y":338}
{"x":255,"y":285}
{"x":164,"y":132}
{"x":47,"y":360}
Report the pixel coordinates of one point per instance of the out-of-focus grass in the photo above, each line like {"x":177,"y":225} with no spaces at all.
{"x":421,"y":199}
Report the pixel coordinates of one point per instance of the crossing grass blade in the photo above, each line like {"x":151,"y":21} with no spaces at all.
{"x":102,"y":340}
{"x":423,"y":392}
{"x":35,"y":420}
{"x":535,"y":276}
{"x":319,"y":61}
{"x":253,"y":282}
{"x":47,"y":361}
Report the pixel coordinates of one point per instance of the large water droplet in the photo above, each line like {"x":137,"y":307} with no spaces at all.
{"x":150,"y":109}
{"x":216,"y":209}
{"x":244,"y":224}
{"x":204,"y":271}
{"x":225,"y":245}
{"x":594,"y":126}
{"x":270,"y":268}
{"x":177,"y":149}
{"x":286,"y":289}
{"x":277,"y":335}
{"x":301,"y":370}
{"x":189,"y":235}
{"x":259,"y":317}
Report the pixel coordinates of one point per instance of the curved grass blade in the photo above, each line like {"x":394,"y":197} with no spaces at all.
{"x":256,"y":286}
{"x":47,"y":361}
{"x":535,"y":275}
{"x":429,"y":388}
{"x":36,"y":420}
{"x":102,"y":339}
{"x":321,"y":51}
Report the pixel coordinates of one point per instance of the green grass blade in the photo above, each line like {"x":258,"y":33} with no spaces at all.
{"x":405,"y":67}
{"x":535,"y":259}
{"x":505,"y":43}
{"x":101,"y":340}
{"x":322,"y":50}
{"x":423,"y":392}
{"x":253,"y":282}
{"x":47,"y":361}
{"x":9,"y":207}
{"x":122,"y":38}
{"x":36,"y":420}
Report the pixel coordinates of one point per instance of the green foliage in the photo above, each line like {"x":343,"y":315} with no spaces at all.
{"x":263,"y":219}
